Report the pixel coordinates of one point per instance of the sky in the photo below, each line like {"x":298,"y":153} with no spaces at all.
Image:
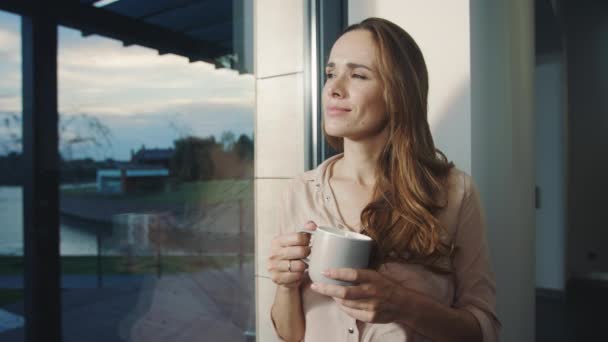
{"x":145,"y":99}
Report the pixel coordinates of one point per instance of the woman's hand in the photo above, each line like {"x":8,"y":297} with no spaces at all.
{"x":284,"y":264}
{"x":373,"y":299}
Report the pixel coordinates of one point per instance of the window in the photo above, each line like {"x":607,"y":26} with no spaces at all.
{"x":156,"y":170}
{"x":11,"y":191}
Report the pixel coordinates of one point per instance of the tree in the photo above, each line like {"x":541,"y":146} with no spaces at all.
{"x":244,"y":148}
{"x":191,"y":160}
{"x":81,"y":133}
{"x":10,"y":132}
{"x":84,"y":134}
{"x":227,"y":140}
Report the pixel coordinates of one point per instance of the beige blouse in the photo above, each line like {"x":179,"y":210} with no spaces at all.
{"x":470,"y":287}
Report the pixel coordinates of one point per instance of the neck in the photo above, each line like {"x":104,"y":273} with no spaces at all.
{"x":358,"y":164}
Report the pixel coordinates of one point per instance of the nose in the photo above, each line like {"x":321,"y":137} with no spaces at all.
{"x":335,"y":88}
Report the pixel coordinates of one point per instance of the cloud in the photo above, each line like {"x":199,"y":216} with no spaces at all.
{"x":99,"y":75}
{"x":10,"y":67}
{"x":10,"y":103}
{"x":161,"y":129}
{"x":143,"y":97}
{"x":10,"y":45}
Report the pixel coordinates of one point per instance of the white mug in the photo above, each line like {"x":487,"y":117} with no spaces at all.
{"x":336,"y":248}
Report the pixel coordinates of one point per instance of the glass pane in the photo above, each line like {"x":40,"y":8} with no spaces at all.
{"x":11,"y":202}
{"x":156,"y":190}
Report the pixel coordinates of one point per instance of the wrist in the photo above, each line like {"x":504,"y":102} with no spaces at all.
{"x":282,"y":289}
{"x":408,"y":303}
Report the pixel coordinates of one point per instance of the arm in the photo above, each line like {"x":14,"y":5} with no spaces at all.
{"x":287,"y":314}
{"x":287,"y":271}
{"x":472,"y":317}
{"x":437,"y":321}
{"x":377,"y":299}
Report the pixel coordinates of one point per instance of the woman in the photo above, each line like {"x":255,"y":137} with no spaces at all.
{"x":430,"y":277}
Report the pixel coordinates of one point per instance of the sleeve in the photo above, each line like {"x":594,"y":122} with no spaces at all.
{"x":475,"y":289}
{"x":285,"y":212}
{"x":282,"y":225}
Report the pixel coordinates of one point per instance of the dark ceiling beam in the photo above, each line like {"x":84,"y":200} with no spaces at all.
{"x":17,"y":7}
{"x":208,"y":24}
{"x":93,"y":20}
{"x":178,"y":6}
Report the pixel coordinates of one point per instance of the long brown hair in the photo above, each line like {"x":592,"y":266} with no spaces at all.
{"x":411,"y":173}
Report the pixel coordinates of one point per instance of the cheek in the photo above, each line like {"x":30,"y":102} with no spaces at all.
{"x":324,"y":94}
{"x":374,"y":109}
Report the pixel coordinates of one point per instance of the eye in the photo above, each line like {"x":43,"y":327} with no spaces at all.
{"x":329,"y":75}
{"x":359,"y":76}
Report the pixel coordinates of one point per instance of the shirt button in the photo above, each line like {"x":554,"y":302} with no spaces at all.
{"x":351,"y":330}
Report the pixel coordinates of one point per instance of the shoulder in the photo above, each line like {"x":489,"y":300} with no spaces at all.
{"x":301,"y":189}
{"x":459,"y":190}
{"x":459,"y":185}
{"x":304,"y":178}
{"x":309,"y":182}
{"x":301,"y":182}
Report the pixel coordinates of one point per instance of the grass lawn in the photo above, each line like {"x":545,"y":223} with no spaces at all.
{"x":10,"y":296}
{"x":212,"y":191}
{"x":111,"y":265}
{"x":10,"y":265}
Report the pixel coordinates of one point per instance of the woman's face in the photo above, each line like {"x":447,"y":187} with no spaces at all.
{"x":353,"y":104}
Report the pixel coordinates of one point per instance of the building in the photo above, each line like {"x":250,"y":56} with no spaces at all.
{"x":131,"y":178}
{"x":155,"y":156}
{"x":148,"y":170}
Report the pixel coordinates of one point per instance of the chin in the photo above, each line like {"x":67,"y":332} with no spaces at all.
{"x":335,"y":131}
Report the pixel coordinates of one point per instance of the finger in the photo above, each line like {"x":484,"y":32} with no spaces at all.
{"x":294,"y":252}
{"x":363,"y":305}
{"x":350,"y":274}
{"x":294,"y":239}
{"x":343,"y":292}
{"x":310,"y":225}
{"x":284,"y":278}
{"x":360,"y":315}
{"x":283,"y":266}
{"x":297,"y":266}
{"x":289,"y":253}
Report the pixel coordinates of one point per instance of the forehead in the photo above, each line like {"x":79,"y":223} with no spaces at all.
{"x":356,"y":46}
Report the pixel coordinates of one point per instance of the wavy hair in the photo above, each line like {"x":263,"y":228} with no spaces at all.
{"x":411,"y":173}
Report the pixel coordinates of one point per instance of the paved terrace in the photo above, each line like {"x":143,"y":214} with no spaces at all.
{"x":211,"y":305}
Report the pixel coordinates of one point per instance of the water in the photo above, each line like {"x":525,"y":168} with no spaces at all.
{"x":77,"y":238}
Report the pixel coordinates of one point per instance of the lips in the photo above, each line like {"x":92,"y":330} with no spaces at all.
{"x":336,"y":110}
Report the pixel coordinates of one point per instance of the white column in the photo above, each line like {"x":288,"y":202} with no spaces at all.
{"x":279,"y":38}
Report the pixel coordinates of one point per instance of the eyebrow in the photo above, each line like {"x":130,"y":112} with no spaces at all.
{"x":350,"y":65}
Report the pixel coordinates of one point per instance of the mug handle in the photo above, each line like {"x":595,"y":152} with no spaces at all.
{"x":311,"y":232}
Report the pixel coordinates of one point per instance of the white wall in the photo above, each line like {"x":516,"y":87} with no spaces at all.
{"x":502,"y":154}
{"x":279,"y":31}
{"x":550,"y":174}
{"x":441,"y":29}
{"x":480,"y":58}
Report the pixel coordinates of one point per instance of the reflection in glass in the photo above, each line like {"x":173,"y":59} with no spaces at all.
{"x":11,"y":190}
{"x":156,"y":192}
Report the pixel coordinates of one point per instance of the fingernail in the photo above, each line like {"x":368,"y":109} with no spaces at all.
{"x":314,"y":286}
{"x":325,"y":273}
